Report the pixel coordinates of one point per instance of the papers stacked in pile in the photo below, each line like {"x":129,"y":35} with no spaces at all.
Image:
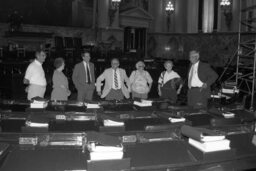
{"x":92,"y":106}
{"x":38,"y":104}
{"x":228,"y":115}
{"x":210,"y":146}
{"x":143,"y":103}
{"x":98,"y":152}
{"x":176,"y":119}
{"x":36,"y":124}
{"x":109,"y":122}
{"x":205,"y":140}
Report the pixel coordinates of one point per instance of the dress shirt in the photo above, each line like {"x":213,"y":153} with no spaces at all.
{"x":35,"y":74}
{"x":195,"y":82}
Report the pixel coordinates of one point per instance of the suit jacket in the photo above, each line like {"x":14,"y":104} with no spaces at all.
{"x":107,"y":75}
{"x":207,"y":75}
{"x":79,"y":74}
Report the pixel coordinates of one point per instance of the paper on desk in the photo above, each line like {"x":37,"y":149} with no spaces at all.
{"x":38,"y":105}
{"x":99,"y":152}
{"x":174,"y":120}
{"x":101,"y":148}
{"x":92,"y":106}
{"x":143,"y":103}
{"x":38,"y":125}
{"x":201,"y":134}
{"x":109,"y":122}
{"x":228,"y":115}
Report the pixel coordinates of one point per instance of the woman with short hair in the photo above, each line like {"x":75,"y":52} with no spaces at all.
{"x":169,"y":83}
{"x":60,"y":82}
{"x":141,"y":81}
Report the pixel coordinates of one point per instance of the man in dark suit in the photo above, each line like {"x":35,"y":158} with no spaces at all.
{"x":83,"y":78}
{"x":200,"y":78}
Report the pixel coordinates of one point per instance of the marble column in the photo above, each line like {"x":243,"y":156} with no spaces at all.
{"x":75,"y":12}
{"x":236,"y":9}
{"x":180,"y":16}
{"x":103,"y":19}
{"x":208,"y":16}
{"x":156,"y":8}
{"x":192,"y":16}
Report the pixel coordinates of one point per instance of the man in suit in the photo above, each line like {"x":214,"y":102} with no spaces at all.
{"x":83,"y":78}
{"x":115,"y":79}
{"x":200,"y":78}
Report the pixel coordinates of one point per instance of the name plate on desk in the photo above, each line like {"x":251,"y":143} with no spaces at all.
{"x":129,"y":139}
{"x":28,"y":140}
{"x":61,"y":117}
{"x":75,"y":118}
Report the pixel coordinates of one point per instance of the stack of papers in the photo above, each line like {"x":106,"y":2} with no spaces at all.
{"x":228,"y":115}
{"x":205,"y":140}
{"x":38,"y":104}
{"x":143,"y":103}
{"x":201,"y":134}
{"x":92,"y":106}
{"x":176,"y":119}
{"x":105,"y":152}
{"x":109,"y":122}
{"x":230,"y":90}
{"x":37,"y":125}
{"x":220,"y":95}
{"x":210,"y":146}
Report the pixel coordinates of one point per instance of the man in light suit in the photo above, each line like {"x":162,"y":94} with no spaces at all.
{"x":200,"y":78}
{"x":83,"y":78}
{"x":115,"y":79}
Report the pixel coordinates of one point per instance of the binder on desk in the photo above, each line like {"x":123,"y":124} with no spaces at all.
{"x":201,"y":134}
{"x":199,"y":119}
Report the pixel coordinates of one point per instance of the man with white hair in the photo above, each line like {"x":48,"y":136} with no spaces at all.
{"x":200,"y":78}
{"x":117,"y":84}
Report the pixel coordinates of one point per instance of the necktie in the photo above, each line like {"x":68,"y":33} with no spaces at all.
{"x":88,"y":74}
{"x":115,"y":80}
{"x":190,"y":76}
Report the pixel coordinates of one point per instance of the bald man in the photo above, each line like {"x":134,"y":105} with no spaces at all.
{"x":200,"y":78}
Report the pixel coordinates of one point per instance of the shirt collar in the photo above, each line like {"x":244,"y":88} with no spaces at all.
{"x":196,"y":64}
{"x":169,"y":72}
{"x":37,"y":62}
{"x":86,"y":63}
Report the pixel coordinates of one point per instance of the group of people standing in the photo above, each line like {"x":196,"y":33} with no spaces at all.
{"x":117,"y":85}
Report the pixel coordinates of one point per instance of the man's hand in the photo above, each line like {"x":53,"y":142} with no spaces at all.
{"x":204,"y":86}
{"x":26,"y":89}
{"x":159,"y":93}
{"x":68,"y":92}
{"x":99,"y":93}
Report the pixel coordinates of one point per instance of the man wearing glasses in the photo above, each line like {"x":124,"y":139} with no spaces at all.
{"x":117,"y":84}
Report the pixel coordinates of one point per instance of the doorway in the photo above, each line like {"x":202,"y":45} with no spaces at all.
{"x":135,"y":40}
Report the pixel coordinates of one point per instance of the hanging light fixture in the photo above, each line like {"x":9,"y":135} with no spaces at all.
{"x":115,"y":4}
{"x":225,"y":5}
{"x":169,"y":9}
{"x":226,"y":9}
{"x":113,"y":9}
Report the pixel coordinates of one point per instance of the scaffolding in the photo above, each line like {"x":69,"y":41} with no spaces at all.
{"x":244,"y":77}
